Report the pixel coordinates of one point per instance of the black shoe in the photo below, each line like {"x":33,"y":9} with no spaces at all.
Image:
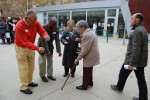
{"x":135,"y":98}
{"x":91,"y":84}
{"x":65,"y":75}
{"x":114,"y":87}
{"x":44,"y":79}
{"x":52,"y":78}
{"x":26,"y":91}
{"x":72,"y":75}
{"x":81,"y":87}
{"x":33,"y":84}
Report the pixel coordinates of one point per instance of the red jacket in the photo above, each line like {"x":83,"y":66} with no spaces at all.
{"x":25,"y":35}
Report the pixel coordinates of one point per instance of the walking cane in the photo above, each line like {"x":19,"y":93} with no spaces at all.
{"x":68,"y":76}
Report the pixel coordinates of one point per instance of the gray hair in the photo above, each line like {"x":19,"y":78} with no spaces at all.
{"x":29,"y":13}
{"x":82,"y":23}
{"x":52,"y":19}
{"x":70,"y":22}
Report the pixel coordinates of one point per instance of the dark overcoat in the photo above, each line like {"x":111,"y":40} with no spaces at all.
{"x":70,"y":50}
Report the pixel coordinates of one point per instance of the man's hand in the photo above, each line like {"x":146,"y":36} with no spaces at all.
{"x":130,"y":67}
{"x":41,"y":49}
{"x":65,"y":42}
{"x":77,"y":39}
{"x":47,"y":38}
{"x":48,"y":53}
{"x":76,"y":61}
{"x":59,"y":54}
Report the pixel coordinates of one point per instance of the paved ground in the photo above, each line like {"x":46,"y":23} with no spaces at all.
{"x":112,"y":56}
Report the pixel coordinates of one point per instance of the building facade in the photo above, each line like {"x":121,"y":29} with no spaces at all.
{"x":106,"y":14}
{"x":110,"y":16}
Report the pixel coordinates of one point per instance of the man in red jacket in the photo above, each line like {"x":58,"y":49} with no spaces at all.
{"x":26,"y":30}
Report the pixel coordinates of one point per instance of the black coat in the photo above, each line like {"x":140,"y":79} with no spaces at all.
{"x":70,"y":50}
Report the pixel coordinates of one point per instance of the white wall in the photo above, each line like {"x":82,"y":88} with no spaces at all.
{"x":40,"y":18}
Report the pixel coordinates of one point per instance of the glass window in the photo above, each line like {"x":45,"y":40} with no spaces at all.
{"x":63,"y":18}
{"x":96,"y":18}
{"x":44,"y":14}
{"x":111,"y":12}
{"x":52,"y":15}
{"x":121,"y":25}
{"x":45,"y":21}
{"x":78,"y":15}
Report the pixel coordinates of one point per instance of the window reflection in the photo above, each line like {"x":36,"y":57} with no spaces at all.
{"x":121,"y":25}
{"x":63,"y":18}
{"x":52,"y":15}
{"x":78,"y":15}
{"x":96,"y":17}
{"x":111,"y":12}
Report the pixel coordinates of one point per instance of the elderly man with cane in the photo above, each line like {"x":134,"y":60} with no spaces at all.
{"x":89,"y":52}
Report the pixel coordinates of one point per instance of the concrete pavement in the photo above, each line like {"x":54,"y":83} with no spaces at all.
{"x":106,"y":73}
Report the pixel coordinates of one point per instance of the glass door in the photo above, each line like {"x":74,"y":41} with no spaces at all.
{"x":110,"y":26}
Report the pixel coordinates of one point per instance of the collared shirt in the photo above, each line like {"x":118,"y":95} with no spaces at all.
{"x":25,"y":35}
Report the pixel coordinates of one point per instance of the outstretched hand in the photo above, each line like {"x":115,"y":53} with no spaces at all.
{"x":47,"y":38}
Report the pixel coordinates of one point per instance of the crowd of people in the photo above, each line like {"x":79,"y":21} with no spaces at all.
{"x":7,"y":29}
{"x":78,"y":44}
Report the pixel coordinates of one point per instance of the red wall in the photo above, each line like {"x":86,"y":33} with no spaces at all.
{"x":141,"y":6}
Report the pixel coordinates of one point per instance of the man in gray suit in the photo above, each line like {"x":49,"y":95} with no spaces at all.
{"x":136,"y":58}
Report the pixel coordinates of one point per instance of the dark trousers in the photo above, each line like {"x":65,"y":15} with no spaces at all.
{"x":8,"y":41}
{"x":2,"y":36}
{"x":87,"y":76}
{"x":12,"y":33}
{"x":123,"y":75}
{"x":72,"y":70}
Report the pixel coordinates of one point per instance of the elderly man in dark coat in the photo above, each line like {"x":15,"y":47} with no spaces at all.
{"x":70,"y":39}
{"x":136,"y":58}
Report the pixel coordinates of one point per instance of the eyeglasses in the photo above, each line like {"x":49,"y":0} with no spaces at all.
{"x":32,"y":20}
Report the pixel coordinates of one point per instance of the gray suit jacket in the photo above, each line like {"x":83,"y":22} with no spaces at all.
{"x":137,"y":50}
{"x":89,"y":49}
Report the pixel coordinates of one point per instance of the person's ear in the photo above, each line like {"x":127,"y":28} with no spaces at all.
{"x":137,"y":20}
